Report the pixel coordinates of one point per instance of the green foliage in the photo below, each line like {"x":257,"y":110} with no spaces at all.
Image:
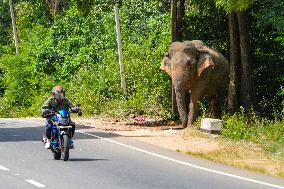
{"x":84,"y":6}
{"x":32,"y":13}
{"x":5,"y":22}
{"x":81,"y":54}
{"x":147,"y":88}
{"x":236,"y":126}
{"x":234,"y":5}
{"x":19,"y":84}
{"x":271,"y":15}
{"x":74,"y":42}
{"x":268,"y":67}
{"x":201,"y":24}
{"x":268,"y":134}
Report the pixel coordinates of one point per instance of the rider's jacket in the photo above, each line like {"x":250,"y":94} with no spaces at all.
{"x":51,"y":104}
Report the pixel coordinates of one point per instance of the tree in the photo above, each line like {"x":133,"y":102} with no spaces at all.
{"x":57,"y":6}
{"x":15,"y":33}
{"x":233,"y":99}
{"x":177,"y":14}
{"x":241,"y":85}
{"x":180,"y":17}
{"x":174,"y":38}
{"x":119,"y":49}
{"x":246,"y":89}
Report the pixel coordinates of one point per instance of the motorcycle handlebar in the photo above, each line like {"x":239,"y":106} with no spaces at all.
{"x":49,"y":113}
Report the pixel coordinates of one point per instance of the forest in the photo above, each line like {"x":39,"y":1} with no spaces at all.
{"x":73,"y":43}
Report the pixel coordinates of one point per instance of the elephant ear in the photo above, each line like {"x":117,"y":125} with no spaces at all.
{"x":205,"y":61}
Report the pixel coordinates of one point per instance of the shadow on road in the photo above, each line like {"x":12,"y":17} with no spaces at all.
{"x":85,"y":159}
{"x":35,"y":133}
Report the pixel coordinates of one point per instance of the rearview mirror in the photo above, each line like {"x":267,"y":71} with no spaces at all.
{"x":80,"y":113}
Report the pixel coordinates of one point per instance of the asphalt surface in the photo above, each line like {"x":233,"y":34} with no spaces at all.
{"x":106,"y":160}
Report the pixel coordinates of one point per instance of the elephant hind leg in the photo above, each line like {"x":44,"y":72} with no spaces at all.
{"x":215,"y":102}
{"x":193,"y":112}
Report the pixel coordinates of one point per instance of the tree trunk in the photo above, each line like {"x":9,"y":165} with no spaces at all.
{"x":233,"y":93}
{"x":174,"y":38}
{"x":174,"y":21}
{"x":246,"y":80}
{"x":119,"y":46}
{"x":15,"y":34}
{"x":180,"y":16}
{"x":57,"y":7}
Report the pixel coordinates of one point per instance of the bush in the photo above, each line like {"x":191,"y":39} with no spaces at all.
{"x":236,"y":126}
{"x":268,"y":134}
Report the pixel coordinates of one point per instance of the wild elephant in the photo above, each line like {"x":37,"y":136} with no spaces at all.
{"x":197,"y":70}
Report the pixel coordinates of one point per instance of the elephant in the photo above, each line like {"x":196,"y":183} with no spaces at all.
{"x":196,"y":71}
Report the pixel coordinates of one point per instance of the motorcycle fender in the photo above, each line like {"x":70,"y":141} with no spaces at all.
{"x":64,"y":133}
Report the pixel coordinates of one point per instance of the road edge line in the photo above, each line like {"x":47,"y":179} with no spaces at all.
{"x":185,"y":163}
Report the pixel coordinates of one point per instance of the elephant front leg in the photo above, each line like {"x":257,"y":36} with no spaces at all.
{"x":193,"y":108}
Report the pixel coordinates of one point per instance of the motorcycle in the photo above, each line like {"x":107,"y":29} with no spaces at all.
{"x":62,"y":131}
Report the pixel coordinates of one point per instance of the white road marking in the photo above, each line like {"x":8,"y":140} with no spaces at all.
{"x":35,"y":183}
{"x":185,"y":163}
{"x":3,"y":168}
{"x":35,"y":122}
{"x":39,"y":122}
{"x":31,"y":121}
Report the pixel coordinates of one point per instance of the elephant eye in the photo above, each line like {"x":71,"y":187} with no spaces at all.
{"x":167,"y":54}
{"x":190,"y":61}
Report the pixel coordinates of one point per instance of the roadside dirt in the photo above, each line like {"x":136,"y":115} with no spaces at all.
{"x":191,"y":141}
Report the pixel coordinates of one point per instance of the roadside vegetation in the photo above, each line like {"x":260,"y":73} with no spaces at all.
{"x":246,"y":141}
{"x":79,"y":51}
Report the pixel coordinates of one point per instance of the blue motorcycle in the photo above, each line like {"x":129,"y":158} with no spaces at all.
{"x":62,"y":132}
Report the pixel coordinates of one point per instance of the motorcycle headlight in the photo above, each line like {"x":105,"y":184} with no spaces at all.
{"x":63,"y":121}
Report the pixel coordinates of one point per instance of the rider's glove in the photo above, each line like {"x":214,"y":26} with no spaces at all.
{"x":75,"y":109}
{"x":46,"y":113}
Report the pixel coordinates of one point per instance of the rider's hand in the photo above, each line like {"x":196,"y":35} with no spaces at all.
{"x":75,"y":109}
{"x":47,"y":113}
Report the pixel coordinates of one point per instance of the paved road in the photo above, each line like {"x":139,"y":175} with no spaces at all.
{"x":104,"y":160}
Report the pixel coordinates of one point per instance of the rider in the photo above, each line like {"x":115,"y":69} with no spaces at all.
{"x":56,"y":102}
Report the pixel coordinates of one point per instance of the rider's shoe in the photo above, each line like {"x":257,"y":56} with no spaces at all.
{"x":47,"y":144}
{"x":71,"y":144}
{"x":44,"y":138}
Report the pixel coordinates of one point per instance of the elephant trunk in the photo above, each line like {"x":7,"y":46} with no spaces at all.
{"x":181,"y":104}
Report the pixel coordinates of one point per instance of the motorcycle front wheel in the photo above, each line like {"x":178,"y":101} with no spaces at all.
{"x":56,"y":154}
{"x":66,"y":146}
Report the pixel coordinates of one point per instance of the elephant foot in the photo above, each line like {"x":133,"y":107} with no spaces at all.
{"x":190,"y":123}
